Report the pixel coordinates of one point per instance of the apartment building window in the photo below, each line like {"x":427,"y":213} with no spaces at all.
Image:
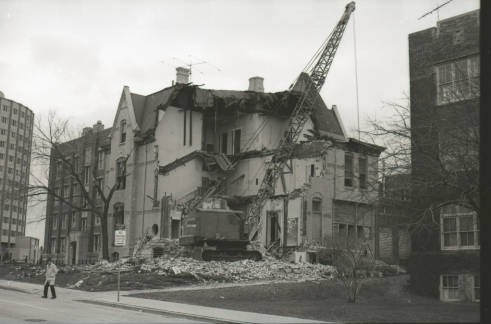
{"x":450,"y":287}
{"x":363,"y":172}
{"x":97,"y":220}
{"x":460,"y":228}
{"x":119,"y":214}
{"x":4,"y":120}
{"x":2,"y":143}
{"x":3,"y":131}
{"x":224,"y":143}
{"x":236,"y":141}
{"x":86,"y":175}
{"x":121,"y":173}
{"x":62,"y":245}
{"x":97,"y":242}
{"x":458,"y":80}
{"x":53,"y":245}
{"x":122,"y":131}
{"x":63,"y":221}
{"x":100,"y":160}
{"x":83,"y":224}
{"x":348,"y":169}
{"x":5,"y":108}
{"x":73,"y":219}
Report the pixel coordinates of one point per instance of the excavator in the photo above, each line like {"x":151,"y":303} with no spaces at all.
{"x":216,"y":231}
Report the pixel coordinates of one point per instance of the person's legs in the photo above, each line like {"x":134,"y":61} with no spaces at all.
{"x":53,"y":293}
{"x":45,"y":295}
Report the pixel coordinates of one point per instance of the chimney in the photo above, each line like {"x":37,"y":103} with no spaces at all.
{"x":99,"y":126}
{"x":256,"y":84}
{"x":182,"y":75}
{"x":86,"y":131}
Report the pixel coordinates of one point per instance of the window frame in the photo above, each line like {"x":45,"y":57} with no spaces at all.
{"x":447,"y":91}
{"x":122,"y":131}
{"x":458,"y":213}
{"x":453,"y":292}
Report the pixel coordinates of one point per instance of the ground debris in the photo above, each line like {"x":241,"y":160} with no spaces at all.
{"x":244,"y":270}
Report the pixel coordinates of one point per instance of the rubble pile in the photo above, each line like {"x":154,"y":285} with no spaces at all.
{"x":388,"y":269}
{"x":244,"y":270}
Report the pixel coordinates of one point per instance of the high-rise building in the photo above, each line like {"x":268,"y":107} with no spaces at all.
{"x":444,"y":66}
{"x":16,"y":124}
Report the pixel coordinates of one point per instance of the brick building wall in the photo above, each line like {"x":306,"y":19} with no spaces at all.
{"x":444,"y":91}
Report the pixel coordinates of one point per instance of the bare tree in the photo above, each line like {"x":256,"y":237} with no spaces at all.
{"x":58,"y":175}
{"x":451,"y":161}
{"x":354,"y":261}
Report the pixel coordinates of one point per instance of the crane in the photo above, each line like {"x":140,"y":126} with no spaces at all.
{"x":311,"y":79}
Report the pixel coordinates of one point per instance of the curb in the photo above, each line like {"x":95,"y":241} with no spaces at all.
{"x":160,"y":311}
{"x":15,"y":289}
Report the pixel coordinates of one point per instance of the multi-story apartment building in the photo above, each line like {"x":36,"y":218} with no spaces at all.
{"x":177,"y":141}
{"x":16,"y":124}
{"x":445,"y":95}
{"x":73,"y":232}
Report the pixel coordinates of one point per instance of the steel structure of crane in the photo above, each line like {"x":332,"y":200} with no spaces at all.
{"x":316,"y":74}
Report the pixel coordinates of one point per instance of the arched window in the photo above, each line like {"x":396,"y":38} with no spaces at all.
{"x":122,"y":130}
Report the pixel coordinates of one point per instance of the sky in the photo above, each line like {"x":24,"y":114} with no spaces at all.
{"x":74,"y":57}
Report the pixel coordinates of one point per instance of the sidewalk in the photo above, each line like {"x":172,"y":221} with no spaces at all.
{"x":160,"y":307}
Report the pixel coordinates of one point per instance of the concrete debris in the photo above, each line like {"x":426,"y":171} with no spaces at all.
{"x":244,"y":270}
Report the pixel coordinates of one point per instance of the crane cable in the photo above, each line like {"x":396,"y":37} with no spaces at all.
{"x":356,"y":77}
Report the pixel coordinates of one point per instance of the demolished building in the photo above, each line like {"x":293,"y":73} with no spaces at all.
{"x":182,"y":139}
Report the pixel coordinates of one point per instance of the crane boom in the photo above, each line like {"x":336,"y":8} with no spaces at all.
{"x":312,"y":81}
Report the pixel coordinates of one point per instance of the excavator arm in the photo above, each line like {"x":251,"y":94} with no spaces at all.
{"x":310,"y":83}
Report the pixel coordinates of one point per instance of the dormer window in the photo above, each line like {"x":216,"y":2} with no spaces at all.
{"x":122,"y":130}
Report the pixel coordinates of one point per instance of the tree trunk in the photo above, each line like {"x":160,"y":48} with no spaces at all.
{"x":105,"y":234}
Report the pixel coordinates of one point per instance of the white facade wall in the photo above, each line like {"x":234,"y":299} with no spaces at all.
{"x":169,"y":134}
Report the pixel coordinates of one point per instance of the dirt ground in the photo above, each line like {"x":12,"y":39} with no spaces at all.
{"x":381,"y":300}
{"x":94,"y":281}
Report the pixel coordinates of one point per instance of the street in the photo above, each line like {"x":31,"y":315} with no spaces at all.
{"x":21,"y":307}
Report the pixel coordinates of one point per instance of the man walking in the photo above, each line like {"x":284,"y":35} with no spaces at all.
{"x":51,"y":271}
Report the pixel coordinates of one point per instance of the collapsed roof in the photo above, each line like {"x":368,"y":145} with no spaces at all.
{"x":222,"y":101}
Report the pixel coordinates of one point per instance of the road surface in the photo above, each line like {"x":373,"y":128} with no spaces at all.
{"x":21,"y":307}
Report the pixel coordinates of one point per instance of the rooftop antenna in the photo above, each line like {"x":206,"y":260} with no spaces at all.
{"x":435,"y":9}
{"x":190,"y":63}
